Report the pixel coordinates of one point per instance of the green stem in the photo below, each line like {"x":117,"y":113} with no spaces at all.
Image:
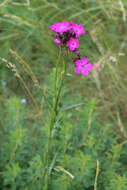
{"x":53,"y":117}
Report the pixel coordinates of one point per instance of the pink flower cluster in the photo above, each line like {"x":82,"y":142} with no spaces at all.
{"x":67,"y":34}
{"x":82,"y":66}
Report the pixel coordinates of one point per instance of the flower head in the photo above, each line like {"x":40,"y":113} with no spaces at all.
{"x":54,"y":27}
{"x":63,"y":27}
{"x":78,"y":29}
{"x":73,"y":44}
{"x":82,"y":66}
{"x":67,"y":36}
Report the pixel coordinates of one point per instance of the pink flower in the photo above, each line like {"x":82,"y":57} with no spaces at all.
{"x":97,"y":66}
{"x":78,"y":29}
{"x":54,"y":27}
{"x":57,"y":41}
{"x":82,"y":66}
{"x":60,"y":27}
{"x":63,"y":27}
{"x":73,"y":44}
{"x":82,"y":61}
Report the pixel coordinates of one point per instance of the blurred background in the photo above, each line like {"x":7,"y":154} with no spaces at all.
{"x":28,"y":55}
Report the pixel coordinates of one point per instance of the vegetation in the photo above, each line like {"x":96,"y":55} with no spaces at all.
{"x":60,"y":130}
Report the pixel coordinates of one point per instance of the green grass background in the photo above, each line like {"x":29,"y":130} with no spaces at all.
{"x":27,"y":43}
{"x":24,"y":28}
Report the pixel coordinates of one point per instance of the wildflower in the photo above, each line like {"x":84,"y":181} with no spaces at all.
{"x":73,"y":44}
{"x":67,"y":36}
{"x":97,"y":66}
{"x":23,"y":101}
{"x":54,"y":27}
{"x":3,"y":83}
{"x":78,"y":29}
{"x":82,"y":66}
{"x":63,"y":27}
{"x":67,"y":33}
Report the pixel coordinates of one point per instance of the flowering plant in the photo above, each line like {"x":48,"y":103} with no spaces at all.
{"x":67,"y":34}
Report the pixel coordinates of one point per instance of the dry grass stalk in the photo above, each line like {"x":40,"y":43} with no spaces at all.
{"x":16,"y":73}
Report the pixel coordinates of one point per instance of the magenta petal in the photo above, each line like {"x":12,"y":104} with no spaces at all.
{"x":73,"y":44}
{"x":85,"y":60}
{"x":78,"y":29}
{"x":54,"y":27}
{"x":89,"y":67}
{"x":85,"y":72}
{"x":81,"y":29}
{"x":57,"y":41}
{"x":78,"y":70}
{"x":77,"y":35}
{"x":71,"y":48}
{"x":78,"y":62}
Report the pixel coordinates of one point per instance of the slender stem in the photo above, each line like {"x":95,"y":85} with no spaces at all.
{"x":58,"y":83}
{"x":56,"y":75}
{"x":96,"y":177}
